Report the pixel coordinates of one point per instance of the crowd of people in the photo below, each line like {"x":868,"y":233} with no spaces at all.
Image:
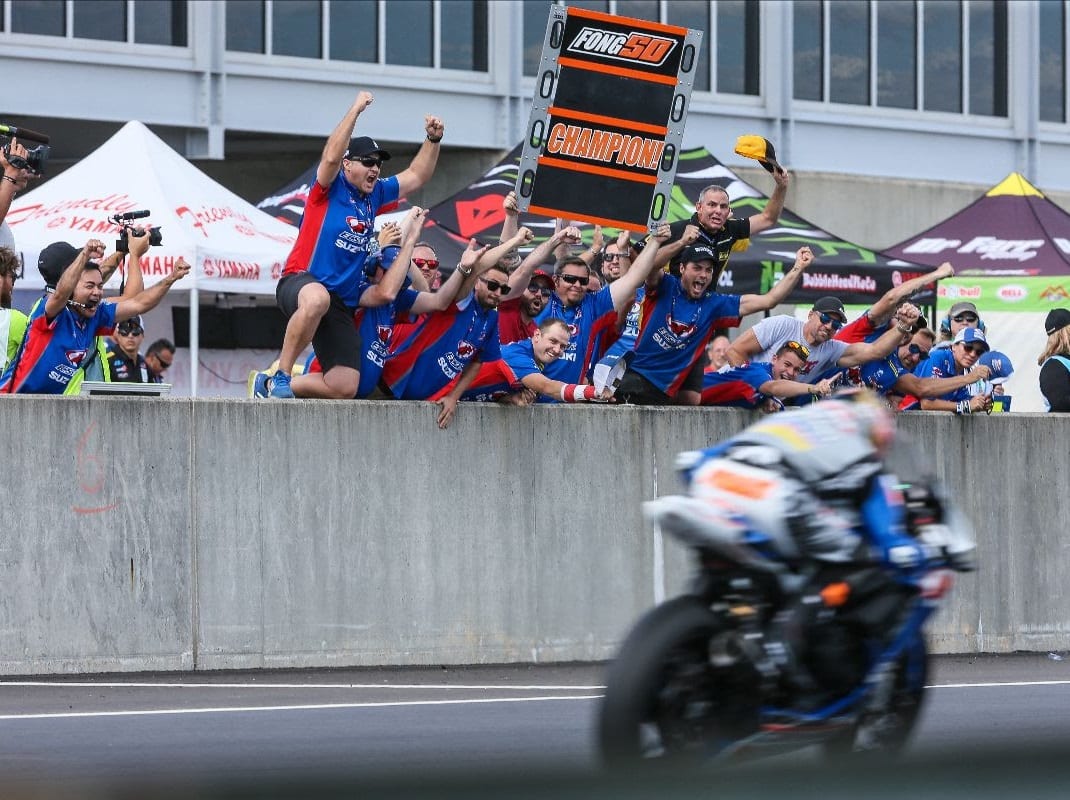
{"x":627,"y":319}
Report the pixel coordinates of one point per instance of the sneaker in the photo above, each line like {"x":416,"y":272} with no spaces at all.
{"x":280,"y":386}
{"x":258,"y":384}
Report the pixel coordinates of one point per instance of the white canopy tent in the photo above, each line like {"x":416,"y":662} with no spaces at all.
{"x":231,"y":245}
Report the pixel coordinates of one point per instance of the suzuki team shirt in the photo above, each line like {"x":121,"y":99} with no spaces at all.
{"x":440,"y":347}
{"x":739,"y":387}
{"x":588,"y":322}
{"x":337,"y":235}
{"x":496,"y":379}
{"x":675,"y":330}
{"x":55,"y":350}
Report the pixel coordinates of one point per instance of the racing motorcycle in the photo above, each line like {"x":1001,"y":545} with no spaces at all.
{"x":762,"y":655}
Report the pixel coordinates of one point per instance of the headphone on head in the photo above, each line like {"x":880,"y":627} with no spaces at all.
{"x":945,"y":325}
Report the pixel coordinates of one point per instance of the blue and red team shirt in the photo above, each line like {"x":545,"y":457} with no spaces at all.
{"x":496,"y":379}
{"x":589,"y":321}
{"x":939,"y":364}
{"x":675,"y":330}
{"x":880,"y":375}
{"x":860,"y":330}
{"x":337,"y":235}
{"x":376,"y":328}
{"x":739,"y":387}
{"x":630,"y":332}
{"x":54,"y":351}
{"x":440,"y":347}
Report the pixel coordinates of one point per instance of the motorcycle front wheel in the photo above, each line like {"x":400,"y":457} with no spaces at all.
{"x":664,"y":699}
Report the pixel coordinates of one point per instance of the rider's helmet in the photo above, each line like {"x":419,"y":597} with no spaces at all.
{"x":874,"y":416}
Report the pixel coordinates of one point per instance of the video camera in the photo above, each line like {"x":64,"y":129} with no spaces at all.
{"x":122,"y":244}
{"x":35,"y":158}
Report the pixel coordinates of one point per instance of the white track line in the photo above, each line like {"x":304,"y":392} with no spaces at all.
{"x":160,"y":685}
{"x":996,"y":684}
{"x":316,"y":707}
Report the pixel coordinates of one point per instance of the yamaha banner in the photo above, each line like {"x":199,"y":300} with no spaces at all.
{"x":607,"y":122}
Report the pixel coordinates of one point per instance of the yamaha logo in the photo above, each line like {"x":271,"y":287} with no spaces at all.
{"x":637,"y":48}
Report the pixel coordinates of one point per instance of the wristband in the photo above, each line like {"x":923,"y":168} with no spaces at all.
{"x":433,"y":141}
{"x":907,"y":329}
{"x":963,"y":407}
{"x":463,"y":271}
{"x":577,"y":392}
{"x":9,"y":178}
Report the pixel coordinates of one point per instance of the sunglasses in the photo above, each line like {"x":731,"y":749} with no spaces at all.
{"x":426,"y":263}
{"x":535,"y":288}
{"x":495,"y":286}
{"x":827,"y":319}
{"x":370,"y":161}
{"x":132,"y":330}
{"x":163,"y":364}
{"x":799,"y":348}
{"x":970,"y":318}
{"x":917,"y":351}
{"x":611,"y":256}
{"x":582,"y":280}
{"x":976,"y":349}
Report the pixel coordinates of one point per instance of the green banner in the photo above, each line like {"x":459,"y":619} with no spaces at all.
{"x":1012,"y":295}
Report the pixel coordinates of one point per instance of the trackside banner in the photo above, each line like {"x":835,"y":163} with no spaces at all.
{"x":604,"y":135}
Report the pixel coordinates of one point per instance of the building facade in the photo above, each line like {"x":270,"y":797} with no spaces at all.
{"x":852,"y":92}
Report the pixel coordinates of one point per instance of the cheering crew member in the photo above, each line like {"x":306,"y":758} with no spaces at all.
{"x":324,"y":280}
{"x":591,"y":317}
{"x":517,"y":378}
{"x":881,"y":315}
{"x":762,"y":384}
{"x":679,"y":316}
{"x":713,"y":225}
{"x":63,"y":328}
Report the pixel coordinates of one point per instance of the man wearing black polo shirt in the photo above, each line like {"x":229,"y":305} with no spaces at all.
{"x":712,"y":224}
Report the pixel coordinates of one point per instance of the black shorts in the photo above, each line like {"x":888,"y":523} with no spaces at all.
{"x":636,"y":389}
{"x":336,"y":341}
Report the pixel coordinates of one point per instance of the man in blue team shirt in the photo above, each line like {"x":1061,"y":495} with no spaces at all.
{"x":679,"y":316}
{"x":590,"y":317}
{"x":324,"y":281}
{"x":62,"y":329}
{"x":762,"y":384}
{"x":958,"y":360}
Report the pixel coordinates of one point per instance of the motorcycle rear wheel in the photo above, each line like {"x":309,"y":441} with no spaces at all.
{"x":663,"y":697}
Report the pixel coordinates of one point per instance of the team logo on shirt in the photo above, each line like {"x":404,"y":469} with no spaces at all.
{"x":681,"y":329}
{"x":356,"y":224}
{"x":465,"y":349}
{"x":76,"y":356}
{"x":384,"y":331}
{"x":573,"y":330}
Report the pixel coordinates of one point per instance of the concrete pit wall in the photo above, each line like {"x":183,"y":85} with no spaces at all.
{"x":177,"y":534}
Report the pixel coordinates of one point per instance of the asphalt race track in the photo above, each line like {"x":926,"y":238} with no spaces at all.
{"x":488,"y":731}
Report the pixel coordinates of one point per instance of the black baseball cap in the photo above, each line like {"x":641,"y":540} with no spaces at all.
{"x":54,"y":260}
{"x":364,"y":146}
{"x":696,"y":253}
{"x":830,"y":305}
{"x":1057,"y":319}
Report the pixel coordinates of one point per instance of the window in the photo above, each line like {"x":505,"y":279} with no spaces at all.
{"x":897,"y":54}
{"x":355,"y":30}
{"x":738,"y":46}
{"x":245,"y":26}
{"x":943,"y":56}
{"x":102,"y":19}
{"x":809,"y":63}
{"x":409,"y":34}
{"x":639,"y":9}
{"x":535,"y":18}
{"x":464,"y":35}
{"x":1052,"y":62}
{"x":296,"y":27}
{"x":988,"y":58}
{"x":160,"y":22}
{"x":695,"y":14}
{"x":46,"y":17}
{"x":849,"y":53}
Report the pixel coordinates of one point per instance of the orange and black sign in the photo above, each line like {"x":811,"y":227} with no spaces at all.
{"x":607,"y":122}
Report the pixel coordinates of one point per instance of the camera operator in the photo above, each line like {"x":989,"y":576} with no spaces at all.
{"x":64,"y":328}
{"x":14,"y":180}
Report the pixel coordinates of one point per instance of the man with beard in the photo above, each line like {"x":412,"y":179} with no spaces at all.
{"x":827,"y":316}
{"x":517,"y":378}
{"x":679,"y":316}
{"x":64,"y":327}
{"x":516,"y":317}
{"x":449,"y":345}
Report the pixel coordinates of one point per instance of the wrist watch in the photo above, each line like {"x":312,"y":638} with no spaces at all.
{"x":463,"y":271}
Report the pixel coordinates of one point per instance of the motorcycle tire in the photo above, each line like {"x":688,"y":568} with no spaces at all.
{"x":891,"y":734}
{"x":659,"y":685}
